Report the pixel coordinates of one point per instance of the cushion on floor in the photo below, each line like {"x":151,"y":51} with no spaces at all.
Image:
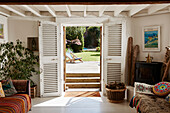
{"x":161,"y":89}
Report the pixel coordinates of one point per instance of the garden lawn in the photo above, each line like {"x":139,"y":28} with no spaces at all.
{"x":89,"y":56}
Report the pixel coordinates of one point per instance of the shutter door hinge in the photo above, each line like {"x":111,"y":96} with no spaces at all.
{"x":39,"y":23}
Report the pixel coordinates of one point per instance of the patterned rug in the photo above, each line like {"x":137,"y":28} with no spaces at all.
{"x":82,"y":94}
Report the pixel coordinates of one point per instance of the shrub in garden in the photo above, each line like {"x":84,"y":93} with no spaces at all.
{"x":73,"y":33}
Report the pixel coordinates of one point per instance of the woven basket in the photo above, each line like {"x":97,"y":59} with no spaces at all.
{"x":115,"y":96}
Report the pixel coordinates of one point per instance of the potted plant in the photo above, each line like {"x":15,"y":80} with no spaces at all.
{"x":115,"y":92}
{"x":17,"y":62}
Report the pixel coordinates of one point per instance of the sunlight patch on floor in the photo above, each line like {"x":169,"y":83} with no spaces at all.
{"x":68,"y":101}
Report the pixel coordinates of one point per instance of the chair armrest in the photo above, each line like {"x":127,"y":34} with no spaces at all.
{"x":22,"y":86}
{"x":74,"y":55}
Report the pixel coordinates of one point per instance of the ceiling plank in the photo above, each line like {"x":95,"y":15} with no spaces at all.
{"x":68,"y":11}
{"x":156,"y":8}
{"x":136,"y":9}
{"x":50,"y":10}
{"x":4,"y":12}
{"x":33,"y":10}
{"x":119,"y":9}
{"x":14,"y":9}
{"x":102,"y":11}
{"x":85,"y":11}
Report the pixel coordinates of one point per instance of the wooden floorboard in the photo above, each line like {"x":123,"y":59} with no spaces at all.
{"x":82,"y":94}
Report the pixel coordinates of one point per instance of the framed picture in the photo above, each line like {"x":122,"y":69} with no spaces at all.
{"x":32,"y":43}
{"x":151,"y":38}
{"x":1,"y":31}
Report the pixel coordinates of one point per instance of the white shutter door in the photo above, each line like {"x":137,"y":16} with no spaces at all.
{"x":113,"y":55}
{"x":49,"y":63}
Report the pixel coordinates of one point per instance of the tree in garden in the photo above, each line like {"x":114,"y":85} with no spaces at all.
{"x":72,"y":36}
{"x":92,"y":37}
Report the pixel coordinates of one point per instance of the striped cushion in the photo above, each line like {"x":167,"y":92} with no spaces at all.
{"x":1,"y":91}
{"x":18,"y":103}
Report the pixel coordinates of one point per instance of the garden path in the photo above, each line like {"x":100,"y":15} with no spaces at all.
{"x":85,"y":67}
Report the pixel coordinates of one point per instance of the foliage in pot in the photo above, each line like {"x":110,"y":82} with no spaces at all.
{"x":17,"y":61}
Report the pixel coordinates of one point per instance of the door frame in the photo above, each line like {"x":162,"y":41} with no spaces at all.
{"x":63,"y":36}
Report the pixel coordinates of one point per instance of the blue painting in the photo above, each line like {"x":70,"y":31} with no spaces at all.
{"x":151,"y":38}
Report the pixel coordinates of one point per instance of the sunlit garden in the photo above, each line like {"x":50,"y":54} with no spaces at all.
{"x":89,"y":56}
{"x":84,"y":42}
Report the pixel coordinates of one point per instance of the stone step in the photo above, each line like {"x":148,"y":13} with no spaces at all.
{"x":82,"y":79}
{"x":83,"y":85}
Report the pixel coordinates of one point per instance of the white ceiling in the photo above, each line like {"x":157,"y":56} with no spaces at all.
{"x":53,"y":10}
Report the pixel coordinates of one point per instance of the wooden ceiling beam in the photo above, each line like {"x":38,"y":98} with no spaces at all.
{"x":85,"y":11}
{"x":119,"y":9}
{"x":68,"y":11}
{"x":136,"y":9}
{"x":50,"y":10}
{"x":4,"y":12}
{"x":14,"y":9}
{"x":156,"y":8}
{"x":102,"y":11}
{"x":33,"y":10}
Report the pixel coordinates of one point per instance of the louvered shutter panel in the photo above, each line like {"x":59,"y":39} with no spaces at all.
{"x":113,"y":72}
{"x":50,"y":78}
{"x":115,"y":39}
{"x":48,"y":42}
{"x":113,"y":58}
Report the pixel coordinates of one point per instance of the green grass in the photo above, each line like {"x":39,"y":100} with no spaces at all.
{"x":89,"y":56}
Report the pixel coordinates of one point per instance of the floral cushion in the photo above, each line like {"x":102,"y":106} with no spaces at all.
{"x":8,"y":87}
{"x":161,"y":89}
{"x":143,"y":88}
{"x":1,"y":91}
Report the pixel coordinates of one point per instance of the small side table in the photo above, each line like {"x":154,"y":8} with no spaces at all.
{"x":130,"y":93}
{"x":33,"y":91}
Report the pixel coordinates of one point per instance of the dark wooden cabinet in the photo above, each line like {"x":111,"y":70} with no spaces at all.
{"x":150,"y":73}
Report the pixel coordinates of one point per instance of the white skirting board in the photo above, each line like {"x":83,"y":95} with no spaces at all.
{"x":130,"y":92}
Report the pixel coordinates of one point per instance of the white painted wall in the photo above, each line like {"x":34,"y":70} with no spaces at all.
{"x":162,"y":20}
{"x":21,"y":29}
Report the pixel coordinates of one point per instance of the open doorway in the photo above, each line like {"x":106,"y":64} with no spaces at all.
{"x":82,"y":64}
